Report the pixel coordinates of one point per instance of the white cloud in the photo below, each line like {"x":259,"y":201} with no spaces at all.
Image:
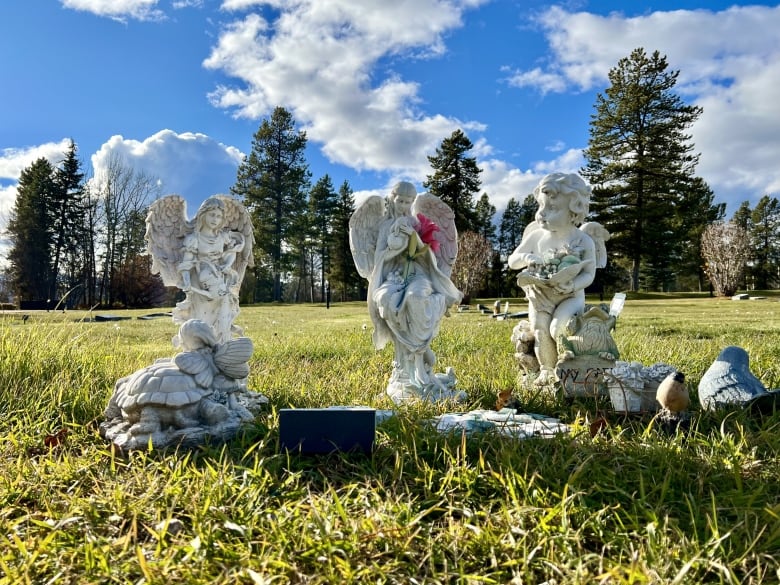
{"x":728,"y":63}
{"x":192,"y":165}
{"x":502,"y":181}
{"x":320,"y":60}
{"x":119,"y":10}
{"x":14,"y":160}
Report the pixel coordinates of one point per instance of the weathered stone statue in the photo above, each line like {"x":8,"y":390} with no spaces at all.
{"x":205,"y":257}
{"x":405,"y":245}
{"x":558,"y":258}
{"x":200,"y":393}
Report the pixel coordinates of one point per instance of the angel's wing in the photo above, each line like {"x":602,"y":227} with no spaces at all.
{"x":363,"y":233}
{"x":440,"y":213}
{"x":166,"y":227}
{"x":232,"y":357}
{"x":237,"y":219}
{"x":599,"y":234}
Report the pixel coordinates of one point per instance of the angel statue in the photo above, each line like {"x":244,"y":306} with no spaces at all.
{"x":205,"y":257}
{"x":405,"y":245}
{"x":559,"y":261}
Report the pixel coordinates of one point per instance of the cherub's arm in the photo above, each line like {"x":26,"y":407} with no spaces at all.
{"x":527,"y":253}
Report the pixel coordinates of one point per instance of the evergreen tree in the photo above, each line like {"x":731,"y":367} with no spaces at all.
{"x":343,"y":273}
{"x":514,"y":220}
{"x":323,"y":204}
{"x":455,"y":179}
{"x":67,"y":209}
{"x":272,"y":180}
{"x":484,"y":212}
{"x":743,"y":216}
{"x":765,"y":243}
{"x":639,"y":161}
{"x":695,"y":211}
{"x":30,"y":232}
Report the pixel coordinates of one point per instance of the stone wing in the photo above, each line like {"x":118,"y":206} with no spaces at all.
{"x":442,"y":215}
{"x":363,"y":233}
{"x":599,"y":234}
{"x":166,"y":228}
{"x":232,"y":357}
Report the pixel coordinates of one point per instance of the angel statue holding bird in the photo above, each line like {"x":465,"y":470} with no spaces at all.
{"x":205,"y":257}
{"x":405,"y":245}
{"x":558,"y":255}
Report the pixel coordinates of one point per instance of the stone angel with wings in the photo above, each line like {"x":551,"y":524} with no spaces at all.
{"x":406,"y":245}
{"x":205,"y":257}
{"x":558,"y":256}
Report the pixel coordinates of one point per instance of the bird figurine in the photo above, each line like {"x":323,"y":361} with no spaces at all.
{"x":672,"y":393}
{"x":729,"y":381}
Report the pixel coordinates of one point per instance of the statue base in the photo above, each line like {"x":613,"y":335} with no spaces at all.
{"x":584,"y":376}
{"x":442,"y":388}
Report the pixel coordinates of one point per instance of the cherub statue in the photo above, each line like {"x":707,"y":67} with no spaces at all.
{"x":405,"y":245}
{"x":205,"y":257}
{"x":559,"y":261}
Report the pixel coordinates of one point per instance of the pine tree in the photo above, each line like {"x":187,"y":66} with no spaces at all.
{"x":640,"y":162}
{"x":514,"y":220}
{"x":272,"y":180}
{"x":343,"y":273}
{"x":67,"y":209}
{"x":695,"y":210}
{"x":30,"y":232}
{"x":323,"y":203}
{"x":765,"y":243}
{"x":484,"y":213}
{"x":455,"y":179}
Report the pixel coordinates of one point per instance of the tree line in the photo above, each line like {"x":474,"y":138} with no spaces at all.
{"x":83,"y":240}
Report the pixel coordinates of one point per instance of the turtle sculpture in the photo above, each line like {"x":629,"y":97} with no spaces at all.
{"x":182,"y":399}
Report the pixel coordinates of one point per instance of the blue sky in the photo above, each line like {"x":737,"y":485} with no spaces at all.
{"x":177,"y":88}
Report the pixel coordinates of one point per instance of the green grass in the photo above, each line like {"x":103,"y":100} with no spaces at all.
{"x":630,"y":505}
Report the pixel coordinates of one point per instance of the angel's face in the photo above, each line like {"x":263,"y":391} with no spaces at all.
{"x":213,"y":219}
{"x":403,"y":204}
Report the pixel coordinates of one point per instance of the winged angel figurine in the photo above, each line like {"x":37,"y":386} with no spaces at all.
{"x":559,"y":260}
{"x":200,"y":393}
{"x":206,"y":257}
{"x":406,"y":245}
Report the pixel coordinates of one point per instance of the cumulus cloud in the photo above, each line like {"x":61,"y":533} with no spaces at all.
{"x":502,"y":181}
{"x":120,"y":10}
{"x":192,"y":165}
{"x":728,"y":63}
{"x":14,"y":160}
{"x":321,"y":60}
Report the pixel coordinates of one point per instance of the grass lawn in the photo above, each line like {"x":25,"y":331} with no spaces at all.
{"x":630,"y":505}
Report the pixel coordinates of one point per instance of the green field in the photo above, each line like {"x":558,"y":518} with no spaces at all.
{"x":630,"y":505}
